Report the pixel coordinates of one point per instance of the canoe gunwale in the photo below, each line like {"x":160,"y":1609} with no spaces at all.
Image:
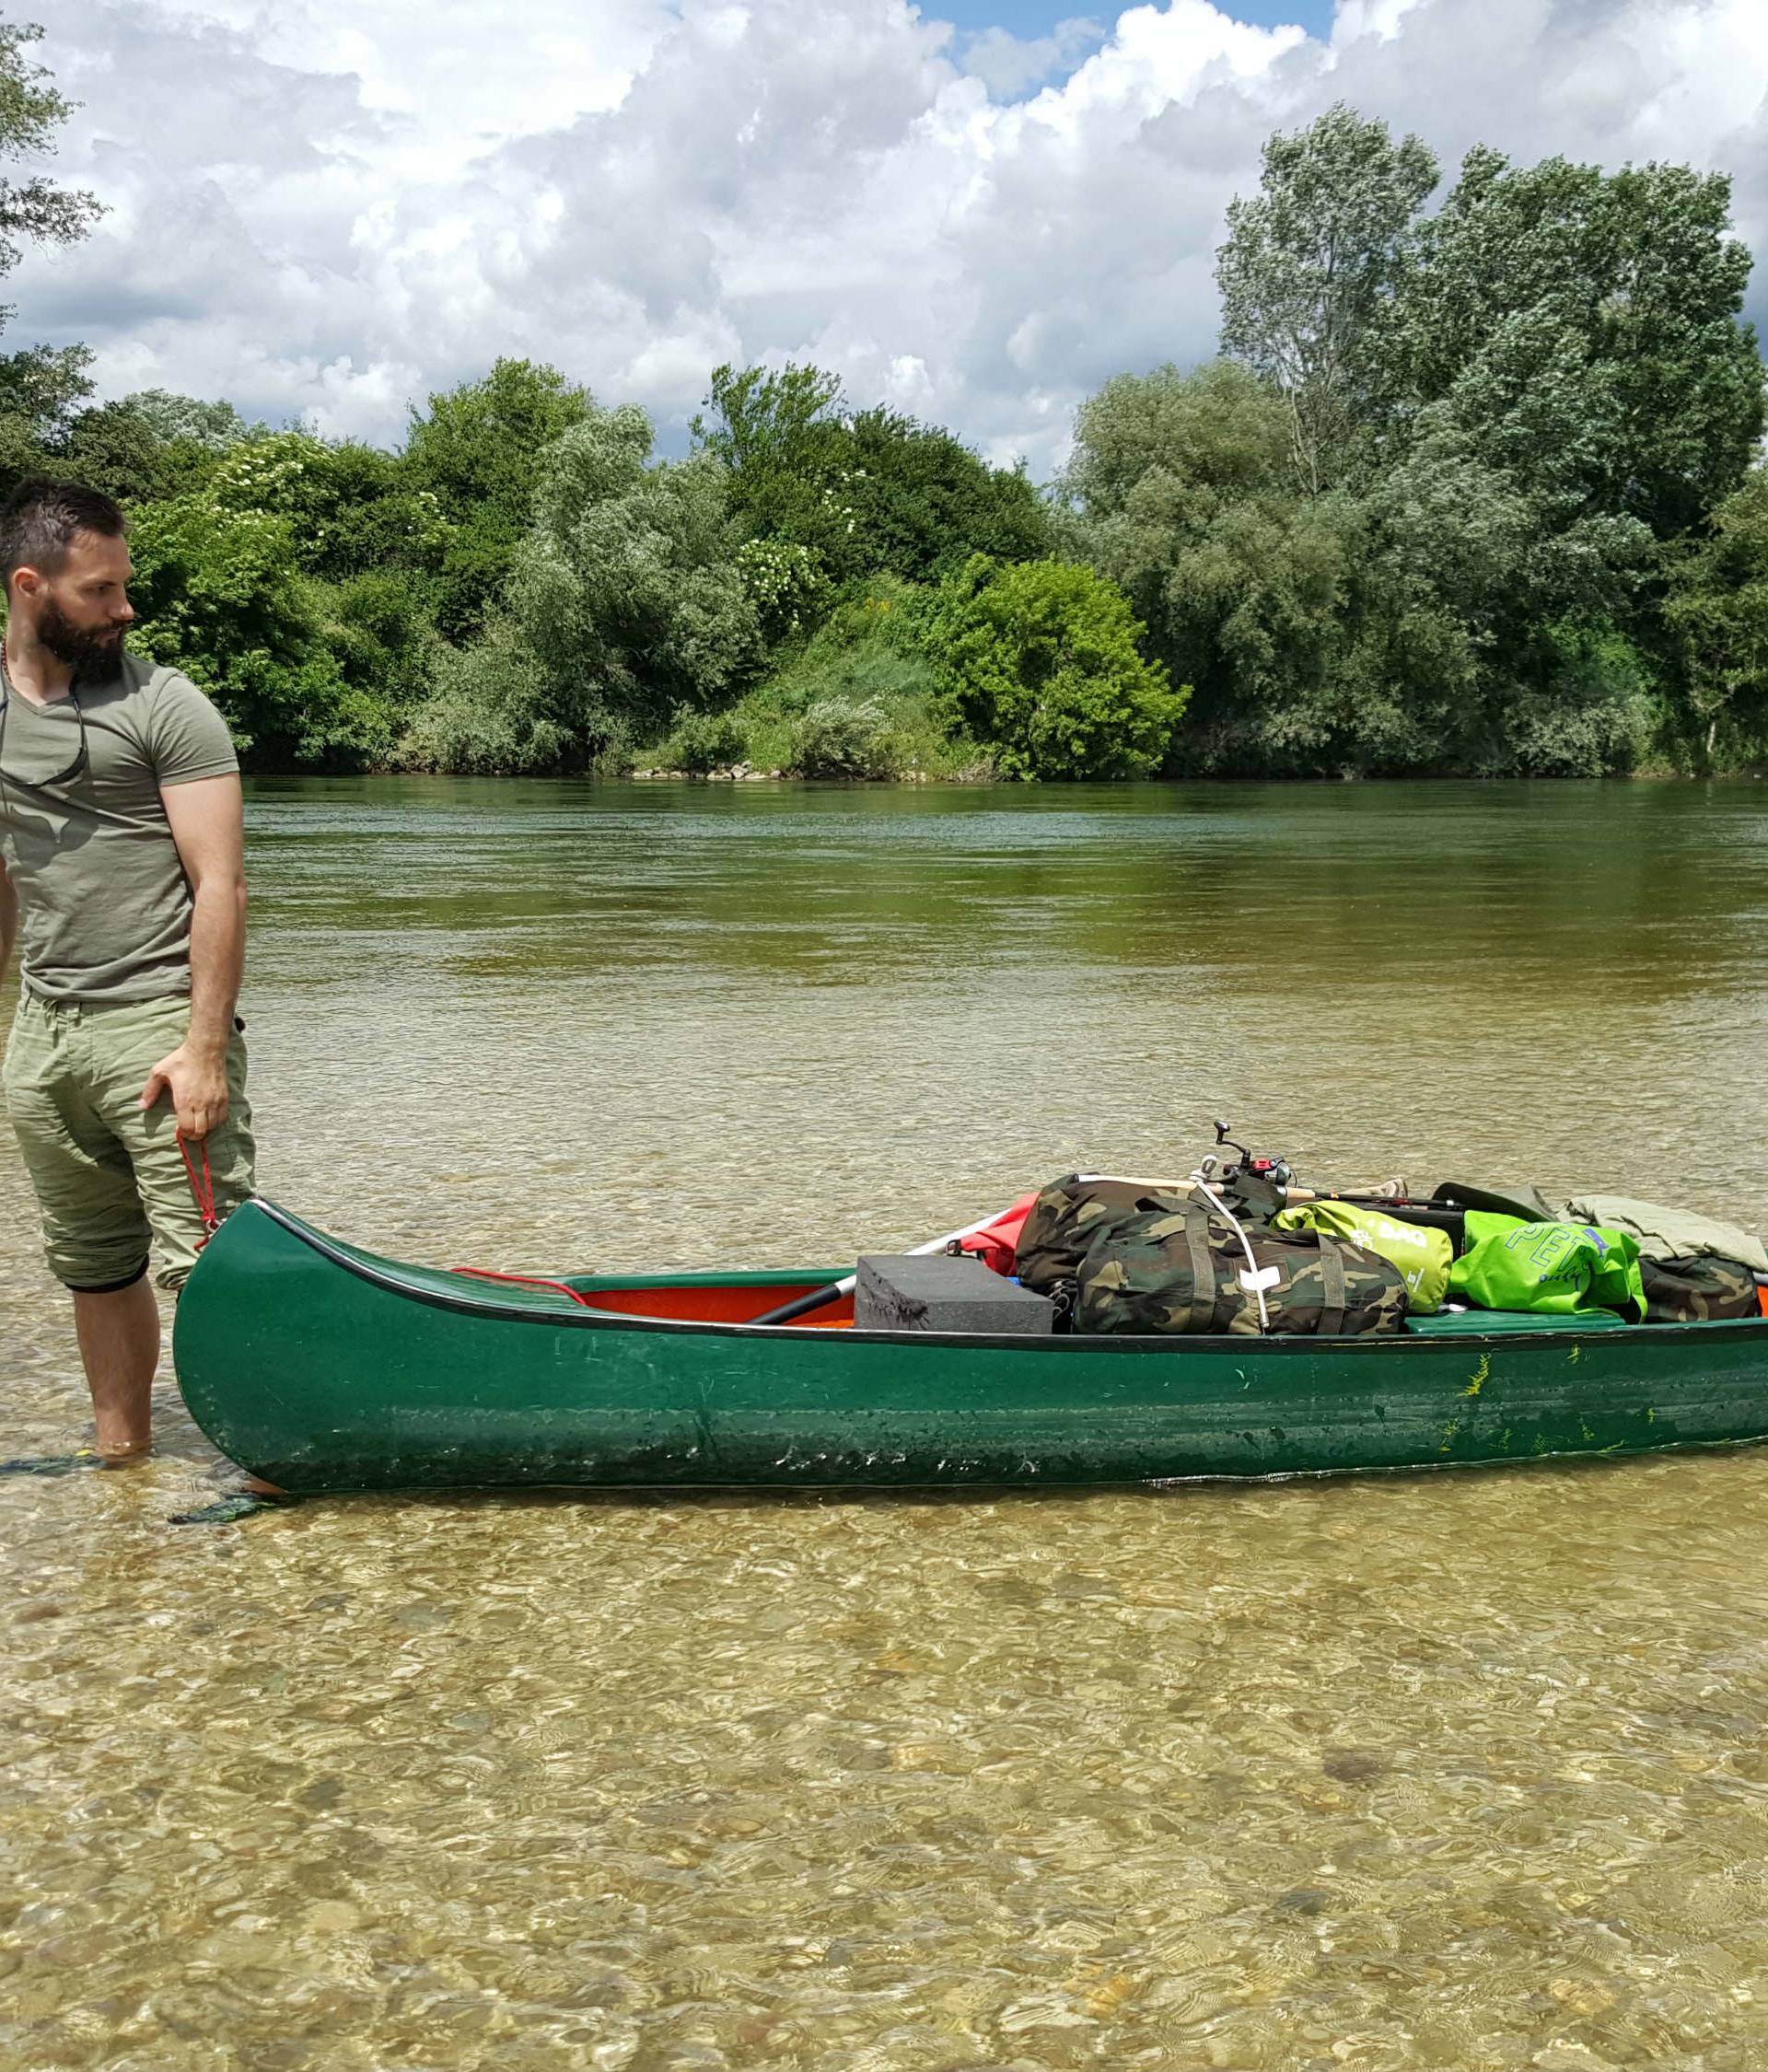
{"x":1220,"y":1343}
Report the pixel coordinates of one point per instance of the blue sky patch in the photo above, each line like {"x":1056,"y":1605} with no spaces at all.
{"x":1031,"y":18}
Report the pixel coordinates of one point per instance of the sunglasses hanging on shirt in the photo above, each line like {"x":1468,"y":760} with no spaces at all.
{"x":42,"y":761}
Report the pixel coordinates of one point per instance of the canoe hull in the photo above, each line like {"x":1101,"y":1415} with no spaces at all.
{"x":322,"y":1368}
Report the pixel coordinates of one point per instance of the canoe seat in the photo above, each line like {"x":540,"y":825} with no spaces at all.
{"x":1487,"y":1323}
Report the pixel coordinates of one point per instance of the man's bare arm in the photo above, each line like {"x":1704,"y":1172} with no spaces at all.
{"x":206,"y":823}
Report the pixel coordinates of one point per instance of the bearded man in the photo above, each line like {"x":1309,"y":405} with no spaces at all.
{"x":121,"y":879}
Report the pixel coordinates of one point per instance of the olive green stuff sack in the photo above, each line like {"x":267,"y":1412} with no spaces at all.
{"x":1423,"y":1256}
{"x":1183,"y":1268}
{"x":1555,"y":1269}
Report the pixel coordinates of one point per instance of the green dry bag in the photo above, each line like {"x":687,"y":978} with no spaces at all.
{"x":1553,"y":1268}
{"x":1423,"y":1256}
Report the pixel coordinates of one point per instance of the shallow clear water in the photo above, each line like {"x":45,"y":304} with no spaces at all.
{"x":1461,"y":1769}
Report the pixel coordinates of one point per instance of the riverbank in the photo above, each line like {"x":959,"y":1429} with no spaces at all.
{"x":987,"y":777}
{"x":741,"y":774}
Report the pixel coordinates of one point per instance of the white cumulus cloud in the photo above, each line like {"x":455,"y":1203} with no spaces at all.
{"x":331,"y":207}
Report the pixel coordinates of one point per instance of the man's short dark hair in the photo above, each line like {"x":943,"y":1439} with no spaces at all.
{"x":39,"y":518}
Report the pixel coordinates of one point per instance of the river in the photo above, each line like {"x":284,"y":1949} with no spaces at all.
{"x":1445,"y":1770}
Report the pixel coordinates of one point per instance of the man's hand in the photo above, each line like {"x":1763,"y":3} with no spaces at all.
{"x":197,"y":1080}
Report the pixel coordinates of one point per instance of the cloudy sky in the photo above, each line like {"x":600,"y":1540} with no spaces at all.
{"x":975,"y":210}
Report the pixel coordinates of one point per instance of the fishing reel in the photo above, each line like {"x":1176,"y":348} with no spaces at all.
{"x":1277,"y":1172}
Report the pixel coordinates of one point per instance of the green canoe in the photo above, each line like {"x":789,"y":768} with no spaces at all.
{"x":322,"y":1367}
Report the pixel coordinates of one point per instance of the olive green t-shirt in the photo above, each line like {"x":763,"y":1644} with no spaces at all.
{"x":105,"y":906}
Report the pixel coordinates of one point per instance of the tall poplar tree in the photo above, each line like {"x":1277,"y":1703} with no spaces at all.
{"x":1308,"y":263}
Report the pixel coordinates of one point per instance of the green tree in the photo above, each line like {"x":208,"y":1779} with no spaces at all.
{"x":368,"y":548}
{"x":1306,"y":269}
{"x":862,"y":494}
{"x":1219,"y":430}
{"x":124,"y":449}
{"x":629,"y":579}
{"x":33,"y":211}
{"x":351,"y":507}
{"x":1431,"y":622}
{"x":764,"y":419}
{"x":1039,"y":662}
{"x":626,"y":604}
{"x":43,"y":389}
{"x":921,"y":502}
{"x":150,"y":445}
{"x":178,"y":420}
{"x":1502,"y":637}
{"x":381,"y":634}
{"x":220,"y":593}
{"x":44,"y":386}
{"x":477,"y":451}
{"x":497,"y":711}
{"x":1582,"y":330}
{"x":1184,"y":497}
{"x":1717,"y":613}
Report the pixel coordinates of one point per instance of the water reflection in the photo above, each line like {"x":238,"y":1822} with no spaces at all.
{"x":1454,"y":1770}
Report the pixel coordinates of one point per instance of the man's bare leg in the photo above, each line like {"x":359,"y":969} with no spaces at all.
{"x":119,"y":1335}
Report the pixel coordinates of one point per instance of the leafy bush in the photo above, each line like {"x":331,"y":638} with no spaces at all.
{"x":785,"y":584}
{"x":846,"y":738}
{"x":1590,"y":717}
{"x":499,"y":710}
{"x":855,"y":701}
{"x":378,"y":629}
{"x":703,"y":741}
{"x":1039,"y":662}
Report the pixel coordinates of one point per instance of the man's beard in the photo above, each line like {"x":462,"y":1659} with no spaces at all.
{"x":88,"y":651}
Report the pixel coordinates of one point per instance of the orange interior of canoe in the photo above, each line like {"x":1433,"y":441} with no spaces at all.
{"x":715,"y":1305}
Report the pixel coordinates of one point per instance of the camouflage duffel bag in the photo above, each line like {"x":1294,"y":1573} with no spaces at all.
{"x":1068,"y":1216}
{"x":1183,"y":1269}
{"x":1698,"y":1290}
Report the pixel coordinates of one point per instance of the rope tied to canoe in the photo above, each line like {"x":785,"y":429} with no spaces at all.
{"x":202,"y":1186}
{"x":525,"y":1280}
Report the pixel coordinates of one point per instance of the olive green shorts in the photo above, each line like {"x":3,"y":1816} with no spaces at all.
{"x":110,"y":1179}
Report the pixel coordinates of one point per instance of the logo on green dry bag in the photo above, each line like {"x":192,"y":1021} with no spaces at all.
{"x":1562,"y":1253}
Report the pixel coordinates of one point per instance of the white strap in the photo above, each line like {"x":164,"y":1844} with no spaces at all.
{"x":1256,"y":1279}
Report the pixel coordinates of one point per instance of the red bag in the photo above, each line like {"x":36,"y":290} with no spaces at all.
{"x":996,"y":1243}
